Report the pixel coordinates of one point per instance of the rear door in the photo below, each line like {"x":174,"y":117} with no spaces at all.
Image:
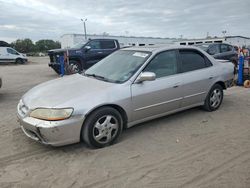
{"x":153,"y":98}
{"x":99,"y":50}
{"x":3,"y":53}
{"x":108,"y":46}
{"x":197,"y":76}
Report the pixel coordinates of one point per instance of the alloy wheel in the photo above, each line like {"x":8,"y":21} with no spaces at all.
{"x":215,"y":98}
{"x":105,"y":129}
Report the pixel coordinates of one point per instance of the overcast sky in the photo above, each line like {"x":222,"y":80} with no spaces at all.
{"x":44,"y":19}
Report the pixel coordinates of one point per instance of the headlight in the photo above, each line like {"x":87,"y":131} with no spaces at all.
{"x":51,"y":114}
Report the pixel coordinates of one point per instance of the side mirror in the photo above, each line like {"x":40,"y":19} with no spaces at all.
{"x":146,"y":76}
{"x":87,"y":48}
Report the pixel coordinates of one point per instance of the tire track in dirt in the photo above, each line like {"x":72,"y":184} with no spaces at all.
{"x":182,"y":157}
{"x":218,"y":170}
{"x":5,"y":161}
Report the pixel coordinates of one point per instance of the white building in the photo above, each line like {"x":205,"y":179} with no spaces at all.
{"x":238,"y":40}
{"x":233,"y":40}
{"x":69,"y":40}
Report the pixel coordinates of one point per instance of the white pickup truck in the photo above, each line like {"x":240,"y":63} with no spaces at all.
{"x":9,"y":55}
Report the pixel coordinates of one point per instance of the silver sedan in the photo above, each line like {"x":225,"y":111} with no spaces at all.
{"x":130,"y":86}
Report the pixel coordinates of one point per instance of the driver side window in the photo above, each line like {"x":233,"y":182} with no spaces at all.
{"x":163,"y":64}
{"x":94,"y":44}
{"x":11,"y":51}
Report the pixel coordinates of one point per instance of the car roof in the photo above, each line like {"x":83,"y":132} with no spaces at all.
{"x":158,"y":48}
{"x":101,"y":39}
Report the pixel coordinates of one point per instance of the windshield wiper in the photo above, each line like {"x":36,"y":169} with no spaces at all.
{"x":102,"y":78}
{"x":97,"y":76}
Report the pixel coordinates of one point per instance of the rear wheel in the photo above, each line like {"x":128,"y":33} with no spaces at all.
{"x":214,"y":98}
{"x":102,"y":127}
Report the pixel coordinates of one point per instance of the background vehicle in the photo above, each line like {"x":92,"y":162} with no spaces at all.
{"x":220,"y":51}
{"x":1,"y":82}
{"x":130,"y":86}
{"x":83,"y":56}
{"x":9,"y":55}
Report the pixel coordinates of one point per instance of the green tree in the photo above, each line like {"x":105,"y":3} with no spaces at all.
{"x":45,"y":45}
{"x":23,"y":45}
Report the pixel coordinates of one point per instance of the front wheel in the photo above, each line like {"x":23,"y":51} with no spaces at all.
{"x":19,"y":61}
{"x":214,"y":98}
{"x":74,"y":67}
{"x":102,"y":127}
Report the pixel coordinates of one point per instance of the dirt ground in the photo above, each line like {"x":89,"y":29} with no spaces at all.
{"x":193,"y":148}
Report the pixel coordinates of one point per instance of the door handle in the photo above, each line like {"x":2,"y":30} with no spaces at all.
{"x":211,"y":77}
{"x":100,"y":52}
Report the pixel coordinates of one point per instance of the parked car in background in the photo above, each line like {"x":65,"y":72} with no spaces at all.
{"x":83,"y":56}
{"x":131,"y":86}
{"x":221,"y":51}
{"x":10,"y":55}
{"x":1,"y":82}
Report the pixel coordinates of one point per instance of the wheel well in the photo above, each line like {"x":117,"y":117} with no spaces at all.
{"x":19,"y":58}
{"x":77,"y":60}
{"x":117,"y":107}
{"x":222,"y":84}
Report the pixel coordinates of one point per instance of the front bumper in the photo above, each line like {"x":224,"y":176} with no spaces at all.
{"x":56,"y":67}
{"x":55,"y":133}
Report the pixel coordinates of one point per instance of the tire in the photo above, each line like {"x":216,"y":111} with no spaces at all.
{"x":74,"y":67}
{"x":19,"y":61}
{"x":102,"y":127}
{"x":214,"y":98}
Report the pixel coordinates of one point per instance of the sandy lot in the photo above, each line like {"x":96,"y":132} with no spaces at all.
{"x":189,"y":149}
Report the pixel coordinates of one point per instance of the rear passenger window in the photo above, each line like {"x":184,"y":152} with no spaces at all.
{"x":230,"y":48}
{"x":107,"y":44}
{"x":191,"y":60}
{"x":224,"y":48}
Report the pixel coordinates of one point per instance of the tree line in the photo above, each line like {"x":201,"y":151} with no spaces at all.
{"x":27,"y":45}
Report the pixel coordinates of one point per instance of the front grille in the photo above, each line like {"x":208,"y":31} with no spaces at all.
{"x":51,"y":58}
{"x":54,"y":58}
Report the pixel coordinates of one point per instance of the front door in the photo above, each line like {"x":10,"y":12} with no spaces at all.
{"x":163,"y":95}
{"x":94,"y":54}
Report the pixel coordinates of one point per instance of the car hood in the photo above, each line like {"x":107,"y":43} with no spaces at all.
{"x":64,"y":91}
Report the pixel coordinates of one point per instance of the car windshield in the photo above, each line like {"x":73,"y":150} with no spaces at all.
{"x":80,"y":45}
{"x":119,"y":66}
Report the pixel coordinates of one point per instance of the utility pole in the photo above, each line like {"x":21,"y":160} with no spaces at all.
{"x":224,"y":33}
{"x":84,"y":24}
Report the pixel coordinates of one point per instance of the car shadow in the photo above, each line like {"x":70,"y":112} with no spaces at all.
{"x":133,"y":131}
